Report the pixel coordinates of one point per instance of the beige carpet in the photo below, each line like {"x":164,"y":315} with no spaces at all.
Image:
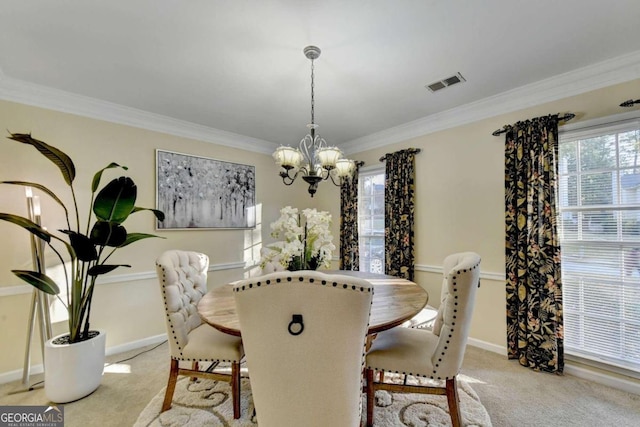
{"x":208,"y":403}
{"x":512,"y":395}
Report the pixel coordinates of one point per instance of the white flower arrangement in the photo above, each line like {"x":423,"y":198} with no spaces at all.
{"x":306,"y":245}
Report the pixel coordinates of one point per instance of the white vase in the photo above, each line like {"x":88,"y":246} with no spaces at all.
{"x":73,"y":371}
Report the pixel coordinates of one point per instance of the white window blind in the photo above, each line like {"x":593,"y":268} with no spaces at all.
{"x":599,"y":227}
{"x":371,"y":219}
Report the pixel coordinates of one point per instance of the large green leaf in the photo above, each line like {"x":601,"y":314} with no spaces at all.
{"x":134,"y":237}
{"x":116,"y":200}
{"x":98,"y":176}
{"x":59,"y":158}
{"x":106,"y":233}
{"x":97,"y":270}
{"x":159,"y":214}
{"x":39,"y":280}
{"x":82,"y":245}
{"x":28,"y":225}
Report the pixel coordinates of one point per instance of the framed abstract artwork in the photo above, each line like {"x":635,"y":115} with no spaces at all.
{"x":202,"y":193}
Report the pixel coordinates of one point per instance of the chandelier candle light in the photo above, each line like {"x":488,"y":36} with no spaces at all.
{"x":313,"y":160}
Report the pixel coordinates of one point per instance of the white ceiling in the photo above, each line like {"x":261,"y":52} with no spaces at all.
{"x":238,"y":66}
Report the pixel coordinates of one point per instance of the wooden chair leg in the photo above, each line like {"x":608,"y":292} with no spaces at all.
{"x":171,"y":385}
{"x":370,"y":393}
{"x":195,"y":366}
{"x":235,"y":389}
{"x":453,"y":400}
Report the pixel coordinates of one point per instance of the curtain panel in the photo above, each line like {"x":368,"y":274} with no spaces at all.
{"x":349,"y":244}
{"x":399,"y":200}
{"x":534,"y":286}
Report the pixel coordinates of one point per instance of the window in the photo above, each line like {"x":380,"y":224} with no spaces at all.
{"x":371,"y":219}
{"x":599,"y":228}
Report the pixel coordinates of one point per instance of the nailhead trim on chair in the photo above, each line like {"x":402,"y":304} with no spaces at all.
{"x":166,"y":307}
{"x":164,"y":298}
{"x":301,"y":279}
{"x":433,"y":377}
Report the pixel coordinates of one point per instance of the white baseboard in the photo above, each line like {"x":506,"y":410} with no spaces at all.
{"x":7,"y":377}
{"x":487,"y":346}
{"x":629,"y":385}
{"x":157,"y":339}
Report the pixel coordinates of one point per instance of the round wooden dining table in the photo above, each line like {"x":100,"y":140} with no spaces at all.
{"x":395,"y":301}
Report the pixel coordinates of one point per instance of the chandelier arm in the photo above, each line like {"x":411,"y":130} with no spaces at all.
{"x":337,"y":184}
{"x":287,"y":179}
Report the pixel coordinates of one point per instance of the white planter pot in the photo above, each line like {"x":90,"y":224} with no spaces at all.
{"x":73,"y":371}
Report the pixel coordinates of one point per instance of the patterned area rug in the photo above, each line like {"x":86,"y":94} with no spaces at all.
{"x":208,"y":403}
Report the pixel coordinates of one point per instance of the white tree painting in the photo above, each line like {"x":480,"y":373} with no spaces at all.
{"x":198,"y":192}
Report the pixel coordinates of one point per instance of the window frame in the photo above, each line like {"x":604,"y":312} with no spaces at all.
{"x":581,"y":131}
{"x":363,"y":173}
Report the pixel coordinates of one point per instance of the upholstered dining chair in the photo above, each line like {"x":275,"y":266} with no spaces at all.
{"x":183,"y":281}
{"x":304,"y":335}
{"x":436,"y":354}
{"x":423,"y":320}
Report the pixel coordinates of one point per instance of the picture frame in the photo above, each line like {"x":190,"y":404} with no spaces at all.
{"x":198,"y":192}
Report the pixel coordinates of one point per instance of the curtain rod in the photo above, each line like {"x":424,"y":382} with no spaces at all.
{"x":564,"y":118}
{"x":630,"y":103}
{"x":411,"y":150}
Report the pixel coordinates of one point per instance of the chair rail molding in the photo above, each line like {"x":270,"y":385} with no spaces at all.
{"x":6,"y":291}
{"x":435,"y":269}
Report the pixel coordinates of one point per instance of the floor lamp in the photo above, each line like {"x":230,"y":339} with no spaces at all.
{"x":39,"y":300}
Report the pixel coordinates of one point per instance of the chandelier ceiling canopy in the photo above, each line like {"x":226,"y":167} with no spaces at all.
{"x":314,"y":160}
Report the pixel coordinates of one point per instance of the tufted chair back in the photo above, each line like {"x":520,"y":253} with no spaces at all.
{"x":305,"y":370}
{"x":183,"y":278}
{"x":459,"y":287}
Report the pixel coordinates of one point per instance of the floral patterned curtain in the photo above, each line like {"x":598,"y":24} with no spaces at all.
{"x":534,"y":291}
{"x":349,"y":247}
{"x":399,"y":203}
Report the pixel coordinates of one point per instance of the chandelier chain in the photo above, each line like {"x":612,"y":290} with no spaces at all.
{"x":313,"y":109}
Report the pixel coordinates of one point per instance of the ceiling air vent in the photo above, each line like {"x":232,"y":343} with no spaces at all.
{"x":436,"y":86}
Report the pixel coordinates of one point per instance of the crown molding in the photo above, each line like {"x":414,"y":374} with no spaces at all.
{"x":617,"y":70}
{"x":53,"y":99}
{"x":596,"y":76}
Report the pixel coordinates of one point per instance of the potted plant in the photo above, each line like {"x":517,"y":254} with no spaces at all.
{"x":86,"y":257}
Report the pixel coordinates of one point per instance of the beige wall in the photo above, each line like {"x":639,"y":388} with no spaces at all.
{"x":129,"y":310}
{"x":459,"y":196}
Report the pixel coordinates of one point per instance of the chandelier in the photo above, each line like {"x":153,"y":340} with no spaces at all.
{"x":313,"y":160}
